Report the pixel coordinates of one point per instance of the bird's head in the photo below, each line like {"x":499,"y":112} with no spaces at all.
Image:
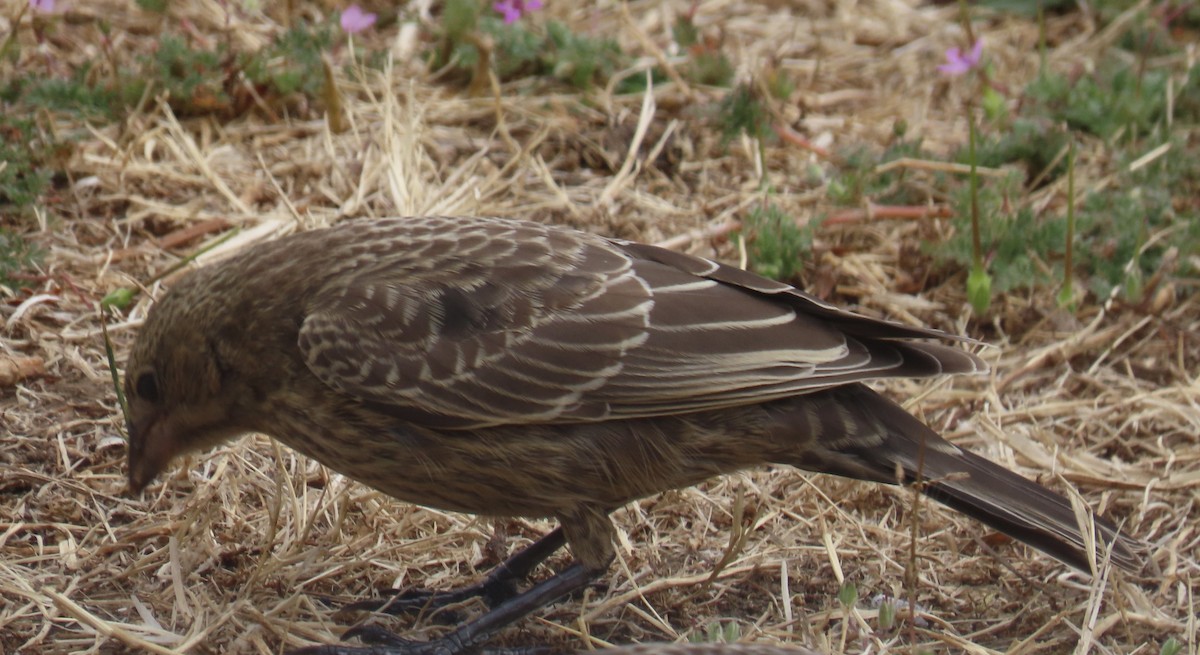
{"x":182,"y":389}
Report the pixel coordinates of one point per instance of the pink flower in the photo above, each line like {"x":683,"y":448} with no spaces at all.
{"x":512,"y":9}
{"x":355,"y":20}
{"x":42,"y":6}
{"x":958,"y":63}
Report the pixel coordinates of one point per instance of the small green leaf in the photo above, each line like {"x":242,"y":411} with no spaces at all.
{"x":153,"y":6}
{"x":1134,"y":284}
{"x":848,"y":595}
{"x":887,"y":615}
{"x":119,"y":298}
{"x":993,"y":104}
{"x":979,"y":289}
{"x":1066,"y":297}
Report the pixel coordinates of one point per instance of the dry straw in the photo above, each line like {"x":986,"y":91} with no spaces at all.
{"x":250,"y":549}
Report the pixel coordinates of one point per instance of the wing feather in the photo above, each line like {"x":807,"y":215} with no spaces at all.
{"x":478,"y":322}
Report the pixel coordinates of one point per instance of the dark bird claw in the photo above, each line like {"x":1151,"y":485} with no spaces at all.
{"x":376,"y":636}
{"x":382,"y":642}
{"x":419,"y":602}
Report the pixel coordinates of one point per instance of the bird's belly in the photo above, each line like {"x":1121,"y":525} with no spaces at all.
{"x":541,"y":470}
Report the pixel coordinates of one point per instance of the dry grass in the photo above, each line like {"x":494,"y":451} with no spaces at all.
{"x":235,"y":551}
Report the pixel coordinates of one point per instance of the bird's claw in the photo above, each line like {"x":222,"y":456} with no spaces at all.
{"x":382,"y":642}
{"x":419,"y":601}
{"x":397,"y":602}
{"x":434,"y":604}
{"x":376,"y":636}
{"x":397,"y":645}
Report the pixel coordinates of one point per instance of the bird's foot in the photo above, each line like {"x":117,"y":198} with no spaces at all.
{"x":499,"y":589}
{"x":499,"y":586}
{"x":435,"y":604}
{"x":382,"y":642}
{"x":469,"y":638}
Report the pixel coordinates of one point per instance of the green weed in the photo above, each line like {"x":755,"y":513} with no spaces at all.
{"x":16,"y":255}
{"x":777,"y":246}
{"x":25,"y":175}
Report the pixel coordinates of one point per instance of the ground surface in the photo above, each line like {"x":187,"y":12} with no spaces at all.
{"x":235,"y":550}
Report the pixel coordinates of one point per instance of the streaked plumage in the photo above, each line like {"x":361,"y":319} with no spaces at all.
{"x":513,"y":368}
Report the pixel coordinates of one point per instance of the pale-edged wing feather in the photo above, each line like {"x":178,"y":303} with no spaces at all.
{"x":504,"y":322}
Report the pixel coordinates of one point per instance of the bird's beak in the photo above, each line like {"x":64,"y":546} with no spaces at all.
{"x":152,"y":446}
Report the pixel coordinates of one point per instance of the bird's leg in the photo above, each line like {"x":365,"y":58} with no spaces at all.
{"x":467,"y":637}
{"x":590,"y":533}
{"x":499,"y":585}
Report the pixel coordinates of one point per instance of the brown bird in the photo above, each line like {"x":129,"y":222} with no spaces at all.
{"x":511,"y":368}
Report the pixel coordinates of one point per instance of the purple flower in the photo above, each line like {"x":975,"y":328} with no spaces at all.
{"x":512,"y":9}
{"x":42,"y":6}
{"x":958,"y":63}
{"x":355,"y":20}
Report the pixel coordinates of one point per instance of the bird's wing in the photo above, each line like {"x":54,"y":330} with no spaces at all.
{"x":508,"y":323}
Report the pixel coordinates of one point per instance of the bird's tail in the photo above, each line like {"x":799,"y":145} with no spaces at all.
{"x":860,"y":434}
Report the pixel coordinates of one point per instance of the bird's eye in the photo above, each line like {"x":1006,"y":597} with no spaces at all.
{"x":147,"y":387}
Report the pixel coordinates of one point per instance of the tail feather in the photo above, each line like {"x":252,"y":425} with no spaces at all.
{"x":1027,"y":512}
{"x":860,"y":434}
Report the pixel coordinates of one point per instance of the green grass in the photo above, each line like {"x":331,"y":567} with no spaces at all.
{"x":857,"y":181}
{"x":25,"y":175}
{"x":16,"y":256}
{"x":196,"y":81}
{"x":1120,"y":112}
{"x":777,"y":246}
{"x":522,"y":50}
{"x":1113,"y":230}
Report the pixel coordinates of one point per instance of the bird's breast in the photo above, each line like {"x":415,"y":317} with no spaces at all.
{"x":527,"y":470}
